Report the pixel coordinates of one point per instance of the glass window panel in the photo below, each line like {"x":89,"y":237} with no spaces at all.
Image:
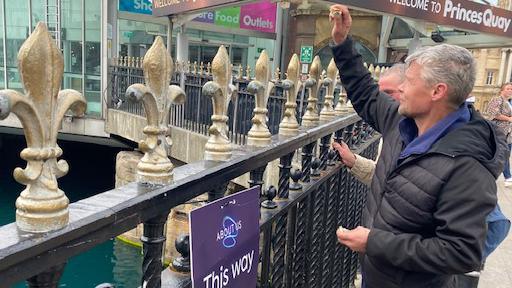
{"x":239,"y":56}
{"x":37,"y":12}
{"x":136,"y":37}
{"x":16,"y":18}
{"x":93,"y":95}
{"x":2,"y":80}
{"x":92,"y":51}
{"x":71,"y":25}
{"x":208,"y":53}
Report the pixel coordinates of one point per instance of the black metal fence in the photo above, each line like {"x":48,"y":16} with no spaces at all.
{"x":195,"y":114}
{"x":299,"y":247}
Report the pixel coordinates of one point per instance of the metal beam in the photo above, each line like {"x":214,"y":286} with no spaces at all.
{"x":385,"y":31}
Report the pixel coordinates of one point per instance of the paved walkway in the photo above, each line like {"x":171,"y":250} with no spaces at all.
{"x":498,"y":267}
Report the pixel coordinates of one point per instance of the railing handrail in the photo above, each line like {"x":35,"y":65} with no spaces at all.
{"x":108,"y":214}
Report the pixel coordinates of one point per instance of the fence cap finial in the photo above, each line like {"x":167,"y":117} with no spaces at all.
{"x":42,"y":206}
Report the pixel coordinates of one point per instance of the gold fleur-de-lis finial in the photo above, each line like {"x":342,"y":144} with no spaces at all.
{"x":156,"y":97}
{"x":289,"y":124}
{"x":218,"y":147}
{"x":42,"y":206}
{"x":248,"y":73}
{"x":240,"y":72}
{"x":259,"y":135}
{"x":201,"y":68}
{"x":314,"y":84}
{"x":277,"y":75}
{"x":208,"y":69}
{"x":377,"y":73}
{"x":329,"y":81}
{"x":341,"y":105}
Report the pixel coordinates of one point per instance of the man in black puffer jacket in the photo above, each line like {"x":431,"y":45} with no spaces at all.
{"x":434,"y":184}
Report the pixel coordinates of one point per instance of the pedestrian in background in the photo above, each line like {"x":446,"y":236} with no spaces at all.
{"x":500,"y":113}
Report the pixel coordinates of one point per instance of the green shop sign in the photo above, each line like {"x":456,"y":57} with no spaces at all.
{"x":228,"y":17}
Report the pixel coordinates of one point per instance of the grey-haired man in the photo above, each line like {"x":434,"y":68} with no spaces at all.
{"x":435,"y":182}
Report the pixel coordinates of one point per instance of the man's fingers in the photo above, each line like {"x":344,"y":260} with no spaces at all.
{"x":343,"y":234}
{"x":347,"y":19}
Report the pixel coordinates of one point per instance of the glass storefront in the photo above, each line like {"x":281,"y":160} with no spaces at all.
{"x":82,"y":59}
{"x":136,"y":37}
{"x":244,"y":45}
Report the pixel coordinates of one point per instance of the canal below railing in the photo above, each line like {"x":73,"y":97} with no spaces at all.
{"x":92,"y":170}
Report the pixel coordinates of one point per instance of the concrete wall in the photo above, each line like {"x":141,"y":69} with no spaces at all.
{"x":187,"y":146}
{"x":80,"y":126}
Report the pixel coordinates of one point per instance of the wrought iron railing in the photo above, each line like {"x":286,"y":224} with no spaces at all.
{"x":195,"y":114}
{"x":299,"y":249}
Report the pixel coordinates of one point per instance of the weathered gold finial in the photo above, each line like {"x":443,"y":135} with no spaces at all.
{"x":314,"y":85}
{"x":289,"y":124}
{"x":248,"y":73}
{"x":42,"y":206}
{"x":259,"y":135}
{"x":277,"y":75}
{"x":156,"y":97}
{"x":341,"y":106}
{"x":218,"y":147}
{"x":327,"y":113}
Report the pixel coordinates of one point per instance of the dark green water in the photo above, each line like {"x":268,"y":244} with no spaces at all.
{"x":91,"y":171}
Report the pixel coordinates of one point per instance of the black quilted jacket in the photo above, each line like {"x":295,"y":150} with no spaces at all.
{"x":427,"y":214}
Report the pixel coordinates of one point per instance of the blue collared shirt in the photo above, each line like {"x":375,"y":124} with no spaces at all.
{"x":415,"y":145}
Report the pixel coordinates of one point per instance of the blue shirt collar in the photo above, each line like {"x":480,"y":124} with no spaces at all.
{"x":420,"y":145}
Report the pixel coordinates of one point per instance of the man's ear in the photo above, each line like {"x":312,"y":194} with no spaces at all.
{"x":440,"y":92}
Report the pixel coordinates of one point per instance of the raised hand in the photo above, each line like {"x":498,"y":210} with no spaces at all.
{"x":342,"y":21}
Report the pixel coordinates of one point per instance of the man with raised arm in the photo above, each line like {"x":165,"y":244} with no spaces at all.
{"x":434,"y":184}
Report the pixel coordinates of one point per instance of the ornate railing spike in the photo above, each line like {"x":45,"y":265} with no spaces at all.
{"x":248,"y":73}
{"x":314,"y":85}
{"x":156,"y":97}
{"x":218,"y":147}
{"x":289,"y":124}
{"x":277,"y":75}
{"x":42,"y":206}
{"x":329,"y":81}
{"x":341,"y":105}
{"x":259,"y":135}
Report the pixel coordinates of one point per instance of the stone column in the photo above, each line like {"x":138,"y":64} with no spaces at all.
{"x":509,"y":68}
{"x":499,"y":81}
